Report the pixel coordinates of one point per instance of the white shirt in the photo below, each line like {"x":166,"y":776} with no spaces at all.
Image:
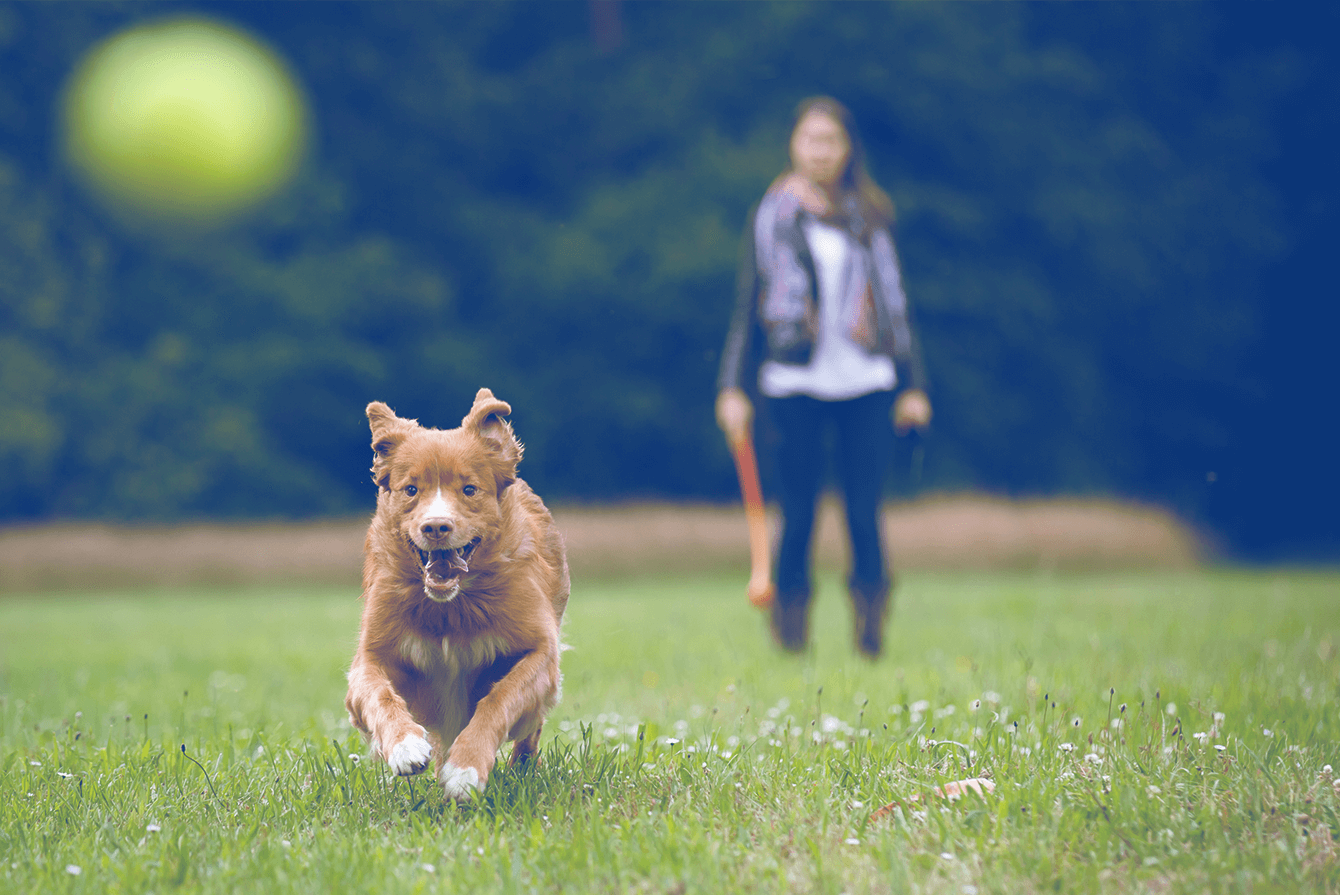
{"x":838,"y":369}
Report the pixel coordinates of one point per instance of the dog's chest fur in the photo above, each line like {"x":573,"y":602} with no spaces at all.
{"x":448,"y":657}
{"x":452,"y":666}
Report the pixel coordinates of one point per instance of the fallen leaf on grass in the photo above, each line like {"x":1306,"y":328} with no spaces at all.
{"x":950,"y":792}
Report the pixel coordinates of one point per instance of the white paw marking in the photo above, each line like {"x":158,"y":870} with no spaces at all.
{"x":459,"y":783}
{"x":410,"y":755}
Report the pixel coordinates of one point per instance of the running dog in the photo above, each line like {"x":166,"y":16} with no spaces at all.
{"x":465,"y":579}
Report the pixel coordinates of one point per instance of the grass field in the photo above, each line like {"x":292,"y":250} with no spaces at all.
{"x":1161,"y":732}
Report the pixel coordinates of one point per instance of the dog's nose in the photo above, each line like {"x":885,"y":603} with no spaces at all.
{"x":436,"y":528}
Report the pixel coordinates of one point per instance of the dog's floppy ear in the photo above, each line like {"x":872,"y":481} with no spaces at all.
{"x":486,"y":419}
{"x":388,"y":431}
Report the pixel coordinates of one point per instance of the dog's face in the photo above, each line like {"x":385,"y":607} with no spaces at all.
{"x":442,"y":489}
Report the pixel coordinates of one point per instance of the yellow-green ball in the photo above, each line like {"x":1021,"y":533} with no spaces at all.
{"x":185,"y":119}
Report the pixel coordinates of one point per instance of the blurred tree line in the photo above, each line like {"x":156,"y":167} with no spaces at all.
{"x":1110,"y":219}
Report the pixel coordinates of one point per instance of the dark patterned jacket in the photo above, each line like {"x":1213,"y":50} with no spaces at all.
{"x":775,"y":297}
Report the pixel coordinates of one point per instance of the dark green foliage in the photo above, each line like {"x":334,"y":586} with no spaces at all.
{"x":1090,"y":202}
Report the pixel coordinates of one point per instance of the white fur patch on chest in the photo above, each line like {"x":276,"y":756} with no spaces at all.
{"x":419,"y":652}
{"x":471,"y":654}
{"x":460,"y":658}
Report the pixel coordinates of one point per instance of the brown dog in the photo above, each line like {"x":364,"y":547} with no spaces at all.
{"x":465,"y":581}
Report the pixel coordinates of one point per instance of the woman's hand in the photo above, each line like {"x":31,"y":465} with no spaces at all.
{"x":734,"y":413}
{"x":912,"y":410}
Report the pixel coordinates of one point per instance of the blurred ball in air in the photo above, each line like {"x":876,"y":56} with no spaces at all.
{"x":183,"y":120}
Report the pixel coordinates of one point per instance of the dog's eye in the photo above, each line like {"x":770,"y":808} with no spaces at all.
{"x":469,"y":490}
{"x":411,"y":490}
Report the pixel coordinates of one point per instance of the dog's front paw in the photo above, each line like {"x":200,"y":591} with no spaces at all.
{"x":410,"y":755}
{"x":460,"y":783}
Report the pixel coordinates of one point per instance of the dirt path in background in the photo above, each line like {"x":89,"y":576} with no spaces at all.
{"x":937,"y":533}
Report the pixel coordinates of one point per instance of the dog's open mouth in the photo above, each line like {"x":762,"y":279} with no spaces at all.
{"x":443,"y":569}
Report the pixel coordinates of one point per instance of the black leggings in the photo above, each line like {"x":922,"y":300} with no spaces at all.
{"x":864,"y":441}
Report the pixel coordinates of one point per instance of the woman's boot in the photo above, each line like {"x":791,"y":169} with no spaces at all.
{"x":870,"y":610}
{"x":790,"y":620}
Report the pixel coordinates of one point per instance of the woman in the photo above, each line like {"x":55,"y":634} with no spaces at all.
{"x":821,"y":333}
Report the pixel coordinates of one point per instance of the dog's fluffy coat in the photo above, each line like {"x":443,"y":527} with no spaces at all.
{"x":465,"y":580}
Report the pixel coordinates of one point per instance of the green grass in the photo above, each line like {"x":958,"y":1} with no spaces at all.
{"x":1145,"y":732}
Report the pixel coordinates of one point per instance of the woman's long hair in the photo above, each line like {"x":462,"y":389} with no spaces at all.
{"x":875,"y":205}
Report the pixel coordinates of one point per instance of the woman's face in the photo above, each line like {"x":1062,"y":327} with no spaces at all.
{"x":820,"y":148}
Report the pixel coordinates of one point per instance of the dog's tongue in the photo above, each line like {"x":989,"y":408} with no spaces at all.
{"x":444,"y":565}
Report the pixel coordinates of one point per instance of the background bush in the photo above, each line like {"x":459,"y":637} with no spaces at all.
{"x":1112,"y":219}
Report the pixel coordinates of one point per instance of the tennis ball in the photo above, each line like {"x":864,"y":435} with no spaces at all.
{"x":183,"y":119}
